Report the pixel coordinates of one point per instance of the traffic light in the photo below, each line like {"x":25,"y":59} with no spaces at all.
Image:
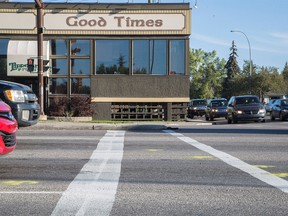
{"x":30,"y":65}
{"x":46,"y":65}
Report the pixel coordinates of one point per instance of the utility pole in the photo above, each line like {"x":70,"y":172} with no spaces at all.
{"x":40,"y":6}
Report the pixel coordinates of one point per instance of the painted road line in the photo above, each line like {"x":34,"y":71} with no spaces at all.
{"x":54,"y":138}
{"x":93,"y":190}
{"x":235,"y":162}
{"x":31,"y":192}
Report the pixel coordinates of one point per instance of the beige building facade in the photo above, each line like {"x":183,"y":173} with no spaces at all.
{"x":132,"y":60}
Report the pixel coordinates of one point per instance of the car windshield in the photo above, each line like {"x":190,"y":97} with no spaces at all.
{"x":199,"y":102}
{"x":247,"y":100}
{"x":219,"y":103}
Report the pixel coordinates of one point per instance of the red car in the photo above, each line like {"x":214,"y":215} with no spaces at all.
{"x":8,"y":129}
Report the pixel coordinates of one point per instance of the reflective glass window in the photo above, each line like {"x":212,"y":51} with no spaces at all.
{"x":3,"y":57}
{"x":58,"y":86}
{"x":80,"y":85}
{"x":177,"y":57}
{"x":3,"y":46}
{"x":80,"y":66}
{"x":141,"y":57}
{"x":59,"y":67}
{"x":58,"y":47}
{"x":112,"y":56}
{"x":80,"y":47}
{"x":158,"y":57}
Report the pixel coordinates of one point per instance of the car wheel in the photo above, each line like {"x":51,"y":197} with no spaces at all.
{"x":272,"y":117}
{"x":281,"y":116}
{"x":229,"y":120}
{"x":234,"y":119}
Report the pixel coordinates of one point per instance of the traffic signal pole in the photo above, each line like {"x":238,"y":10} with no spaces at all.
{"x":39,"y":6}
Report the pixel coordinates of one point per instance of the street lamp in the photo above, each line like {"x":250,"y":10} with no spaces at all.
{"x":249,"y":52}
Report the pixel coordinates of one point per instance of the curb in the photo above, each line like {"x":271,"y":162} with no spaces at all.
{"x":68,"y":125}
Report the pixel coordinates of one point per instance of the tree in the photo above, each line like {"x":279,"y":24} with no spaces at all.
{"x":285,"y":78}
{"x":262,"y":82}
{"x":232,"y":64}
{"x":206,"y":74}
{"x":233,"y":70}
{"x":285,"y":72}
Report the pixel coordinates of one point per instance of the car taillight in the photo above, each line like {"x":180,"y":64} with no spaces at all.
{"x":15,"y":95}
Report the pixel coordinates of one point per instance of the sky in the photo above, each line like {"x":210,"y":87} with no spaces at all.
{"x":264,"y":22}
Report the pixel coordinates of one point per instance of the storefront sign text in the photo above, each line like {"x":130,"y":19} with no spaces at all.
{"x":114,"y":22}
{"x":121,"y":21}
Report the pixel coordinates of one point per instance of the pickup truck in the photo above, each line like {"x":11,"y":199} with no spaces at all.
{"x":22,"y":101}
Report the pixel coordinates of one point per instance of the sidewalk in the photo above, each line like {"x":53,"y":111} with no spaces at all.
{"x":70,"y":125}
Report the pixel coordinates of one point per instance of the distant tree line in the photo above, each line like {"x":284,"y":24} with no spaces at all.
{"x":212,"y":77}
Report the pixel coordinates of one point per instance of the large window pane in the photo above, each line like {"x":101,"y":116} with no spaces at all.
{"x":112,"y":56}
{"x":3,"y":58}
{"x":59,"y":66}
{"x":80,"y":47}
{"x":58,"y":47}
{"x":141,"y":57}
{"x":3,"y":46}
{"x":177,"y":57}
{"x":80,"y":66}
{"x":80,"y":85}
{"x":158,"y":54}
{"x":58,"y":86}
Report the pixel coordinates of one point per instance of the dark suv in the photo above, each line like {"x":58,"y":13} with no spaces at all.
{"x":22,"y":101}
{"x":216,"y":108}
{"x":196,"y":108}
{"x":245,"y":108}
{"x":279,"y":109}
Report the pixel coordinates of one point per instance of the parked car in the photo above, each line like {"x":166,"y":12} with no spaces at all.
{"x":196,"y":108}
{"x":279,"y":109}
{"x":22,"y":101}
{"x":269,"y":105}
{"x":215,"y":108}
{"x":8,"y":129}
{"x":245,"y":108}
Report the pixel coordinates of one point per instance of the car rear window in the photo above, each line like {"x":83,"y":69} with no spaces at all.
{"x":219,"y":103}
{"x":199,"y":102}
{"x":247,"y":100}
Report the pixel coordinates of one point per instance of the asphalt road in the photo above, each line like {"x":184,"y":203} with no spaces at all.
{"x":196,"y":169}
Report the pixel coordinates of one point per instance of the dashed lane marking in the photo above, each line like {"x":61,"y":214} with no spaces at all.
{"x":264,"y":166}
{"x":153,"y":150}
{"x":282,"y":175}
{"x":31,"y":192}
{"x":19,"y":182}
{"x":201,"y":157}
